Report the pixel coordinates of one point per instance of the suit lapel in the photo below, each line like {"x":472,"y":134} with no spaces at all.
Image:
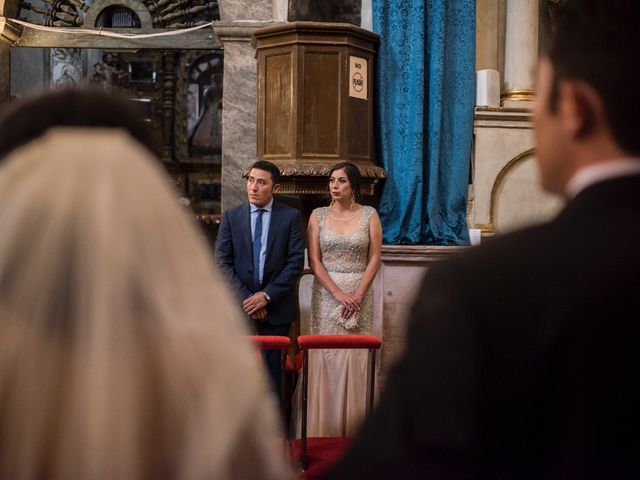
{"x":274,"y":226}
{"x":246,"y":228}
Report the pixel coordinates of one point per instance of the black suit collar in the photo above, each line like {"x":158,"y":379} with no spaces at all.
{"x":616,"y":193}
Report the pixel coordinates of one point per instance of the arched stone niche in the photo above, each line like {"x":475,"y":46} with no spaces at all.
{"x":139,"y":8}
{"x":505,"y":192}
{"x":517,"y":199}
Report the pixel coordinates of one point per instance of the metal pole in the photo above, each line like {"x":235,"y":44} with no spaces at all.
{"x":372,"y":379}
{"x":283,"y":366}
{"x":305,"y":385}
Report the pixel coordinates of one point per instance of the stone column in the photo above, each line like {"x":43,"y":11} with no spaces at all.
{"x":238,"y":111}
{"x":239,"y":19}
{"x":246,"y":10}
{"x":280,"y":10}
{"x":488,"y":34}
{"x":366,"y":15}
{"x":521,"y":52}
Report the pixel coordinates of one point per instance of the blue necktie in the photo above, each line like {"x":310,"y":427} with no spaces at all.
{"x":257,"y":246}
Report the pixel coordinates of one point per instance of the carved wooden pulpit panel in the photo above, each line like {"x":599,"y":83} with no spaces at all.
{"x":315,"y":104}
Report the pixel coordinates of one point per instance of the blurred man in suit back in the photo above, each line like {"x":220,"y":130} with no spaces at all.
{"x":523,"y":354}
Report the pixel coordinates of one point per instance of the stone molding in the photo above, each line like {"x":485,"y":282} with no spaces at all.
{"x":239,"y":31}
{"x":417,"y":255}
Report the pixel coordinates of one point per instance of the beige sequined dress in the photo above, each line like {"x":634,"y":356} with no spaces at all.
{"x":338,"y":378}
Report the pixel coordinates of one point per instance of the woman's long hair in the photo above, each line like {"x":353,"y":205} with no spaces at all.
{"x":121,"y":352}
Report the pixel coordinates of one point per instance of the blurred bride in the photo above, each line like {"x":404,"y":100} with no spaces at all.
{"x":116,"y":332}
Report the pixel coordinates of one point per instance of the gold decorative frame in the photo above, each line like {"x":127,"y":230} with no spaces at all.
{"x":518,"y":95}
{"x":490,"y":227}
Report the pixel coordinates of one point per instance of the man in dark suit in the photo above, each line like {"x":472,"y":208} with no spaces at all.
{"x":523,"y":354}
{"x":260,"y":250}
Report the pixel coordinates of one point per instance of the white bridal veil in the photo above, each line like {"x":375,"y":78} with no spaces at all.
{"x":121,"y":352}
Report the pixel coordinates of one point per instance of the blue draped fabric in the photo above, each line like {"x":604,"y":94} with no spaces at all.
{"x":425,"y":96}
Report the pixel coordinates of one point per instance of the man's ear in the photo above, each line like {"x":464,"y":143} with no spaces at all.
{"x":581,"y":109}
{"x":276,"y":188}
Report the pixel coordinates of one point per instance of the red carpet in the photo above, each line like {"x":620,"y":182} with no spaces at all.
{"x":322,"y":453}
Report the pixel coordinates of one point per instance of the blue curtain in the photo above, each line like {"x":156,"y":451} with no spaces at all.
{"x":425,"y":97}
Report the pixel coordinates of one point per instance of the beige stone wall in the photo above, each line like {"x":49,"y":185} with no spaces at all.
{"x":505,"y":193}
{"x":519,"y":200}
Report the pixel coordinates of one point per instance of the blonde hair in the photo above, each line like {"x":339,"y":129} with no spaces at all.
{"x":121,"y":353}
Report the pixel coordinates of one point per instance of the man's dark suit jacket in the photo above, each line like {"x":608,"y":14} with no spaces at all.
{"x":284,"y":258}
{"x":523,"y":357}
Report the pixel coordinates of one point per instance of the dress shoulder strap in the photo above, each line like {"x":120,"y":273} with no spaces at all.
{"x":321,"y":214}
{"x":367,"y":211}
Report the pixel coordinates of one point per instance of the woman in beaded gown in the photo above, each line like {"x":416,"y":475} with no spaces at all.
{"x":345,"y":242}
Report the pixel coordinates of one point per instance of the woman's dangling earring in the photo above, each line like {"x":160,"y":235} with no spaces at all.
{"x":333,"y":200}
{"x":353,"y":200}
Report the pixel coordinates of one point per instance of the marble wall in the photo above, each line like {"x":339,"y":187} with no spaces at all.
{"x":395,"y":288}
{"x":239,"y":113}
{"x":240,"y":10}
{"x":280,"y":10}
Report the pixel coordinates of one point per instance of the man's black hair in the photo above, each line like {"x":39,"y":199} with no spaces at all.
{"x":25,"y":120}
{"x":268,"y":167}
{"x":598,"y":42}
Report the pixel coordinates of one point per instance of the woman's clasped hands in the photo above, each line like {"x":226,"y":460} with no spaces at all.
{"x":350,"y":302}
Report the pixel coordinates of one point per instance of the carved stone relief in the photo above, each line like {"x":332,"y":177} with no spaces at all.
{"x":68,"y":67}
{"x":199,"y":103}
{"x":119,"y":14}
{"x":107,"y":74}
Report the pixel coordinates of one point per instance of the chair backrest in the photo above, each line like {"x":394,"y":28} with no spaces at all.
{"x":271,"y":342}
{"x":296,"y":326}
{"x":369,"y":342}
